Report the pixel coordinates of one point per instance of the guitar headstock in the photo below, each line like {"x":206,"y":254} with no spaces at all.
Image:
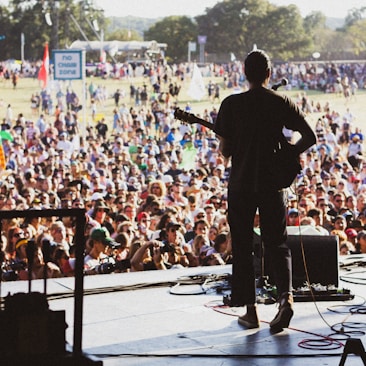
{"x":184,"y":116}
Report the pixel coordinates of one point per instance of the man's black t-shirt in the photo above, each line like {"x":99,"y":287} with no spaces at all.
{"x":251,"y":122}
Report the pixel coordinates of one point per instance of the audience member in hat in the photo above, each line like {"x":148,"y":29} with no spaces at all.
{"x":14,"y":234}
{"x":293,"y":217}
{"x":143,"y":226}
{"x":173,"y":238}
{"x":100,"y":214}
{"x":127,"y":227}
{"x":173,"y":234}
{"x":99,"y":259}
{"x":351,"y":236}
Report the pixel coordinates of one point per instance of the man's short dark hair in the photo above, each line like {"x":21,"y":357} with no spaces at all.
{"x":257,"y":64}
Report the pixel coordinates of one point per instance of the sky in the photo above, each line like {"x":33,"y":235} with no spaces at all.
{"x":163,"y":8}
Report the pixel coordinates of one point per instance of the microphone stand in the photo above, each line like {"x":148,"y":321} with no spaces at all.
{"x":46,"y":259}
{"x":30,"y":250}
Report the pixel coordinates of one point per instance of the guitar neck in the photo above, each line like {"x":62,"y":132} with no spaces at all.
{"x":191,"y":118}
{"x":205,"y":123}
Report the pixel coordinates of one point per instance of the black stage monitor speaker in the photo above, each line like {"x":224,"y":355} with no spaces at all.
{"x":321,"y":259}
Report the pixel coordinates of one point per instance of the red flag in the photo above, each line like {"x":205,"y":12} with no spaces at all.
{"x":2,"y":156}
{"x":43,"y":71}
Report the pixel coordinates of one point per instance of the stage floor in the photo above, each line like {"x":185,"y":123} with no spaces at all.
{"x":134,"y":319}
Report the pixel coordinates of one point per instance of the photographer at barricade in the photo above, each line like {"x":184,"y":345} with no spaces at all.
{"x":249,"y":125}
{"x":100,"y":259}
{"x":156,"y":254}
{"x":148,"y":256}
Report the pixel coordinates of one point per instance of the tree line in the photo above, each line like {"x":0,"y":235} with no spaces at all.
{"x":230,"y":27}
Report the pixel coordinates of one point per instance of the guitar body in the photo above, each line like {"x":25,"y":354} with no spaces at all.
{"x":285,"y":165}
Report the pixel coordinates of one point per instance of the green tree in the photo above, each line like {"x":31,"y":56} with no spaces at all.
{"x":5,"y":33}
{"x":176,"y":31}
{"x":27,"y":18}
{"x":123,"y":35}
{"x":283,"y":34}
{"x":236,"y":25}
{"x":45,"y":22}
{"x":229,"y":24}
{"x":316,"y":28}
{"x":357,"y":35}
{"x":354,"y":15}
{"x":314,"y":22}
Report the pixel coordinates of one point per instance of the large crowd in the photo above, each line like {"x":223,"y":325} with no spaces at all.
{"x":155,"y":189}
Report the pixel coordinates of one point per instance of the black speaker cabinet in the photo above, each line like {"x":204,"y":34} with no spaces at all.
{"x":321,"y":259}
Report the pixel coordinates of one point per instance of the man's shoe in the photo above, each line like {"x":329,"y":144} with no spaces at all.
{"x":250,"y":319}
{"x":284,"y":315}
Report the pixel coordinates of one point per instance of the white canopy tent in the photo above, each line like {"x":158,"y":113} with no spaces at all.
{"x":113,"y":47}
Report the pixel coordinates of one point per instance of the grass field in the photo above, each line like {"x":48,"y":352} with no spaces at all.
{"x":19,"y":98}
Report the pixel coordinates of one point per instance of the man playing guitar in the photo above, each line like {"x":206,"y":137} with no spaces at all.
{"x":249,"y":126}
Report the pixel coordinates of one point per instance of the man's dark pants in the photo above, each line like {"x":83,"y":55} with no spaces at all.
{"x":272,"y":211}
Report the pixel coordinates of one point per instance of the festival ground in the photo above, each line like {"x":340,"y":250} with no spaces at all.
{"x":19,"y":98}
